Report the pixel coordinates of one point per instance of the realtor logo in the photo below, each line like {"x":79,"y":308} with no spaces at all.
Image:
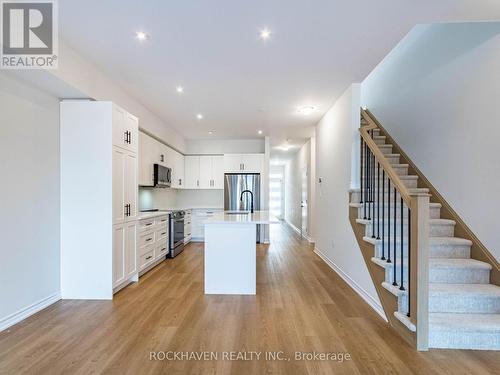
{"x":29,"y":34}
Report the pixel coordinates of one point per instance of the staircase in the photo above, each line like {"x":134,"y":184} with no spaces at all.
{"x":461,"y":308}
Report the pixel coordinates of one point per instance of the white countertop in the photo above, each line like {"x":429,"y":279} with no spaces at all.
{"x":258,"y":217}
{"x":166,"y":211}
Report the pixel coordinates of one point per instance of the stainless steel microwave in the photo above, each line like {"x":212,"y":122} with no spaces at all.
{"x":162,"y":176}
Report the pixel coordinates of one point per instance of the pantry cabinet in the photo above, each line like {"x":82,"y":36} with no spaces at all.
{"x":99,"y":192}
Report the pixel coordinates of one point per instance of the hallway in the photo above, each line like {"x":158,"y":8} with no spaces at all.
{"x":301,"y":306}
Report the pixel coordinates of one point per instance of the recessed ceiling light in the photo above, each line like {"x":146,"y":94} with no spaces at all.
{"x":265,"y":34}
{"x":199,"y":116}
{"x":179,"y":89}
{"x":260,"y":132}
{"x":306,"y":110}
{"x":141,"y":36}
{"x":211,"y":132}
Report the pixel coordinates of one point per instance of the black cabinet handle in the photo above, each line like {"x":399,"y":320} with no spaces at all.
{"x":162,"y":158}
{"x":149,"y":239}
{"x":148,"y":224}
{"x":149,"y":257}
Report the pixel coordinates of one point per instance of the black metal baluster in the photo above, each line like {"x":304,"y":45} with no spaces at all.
{"x":383,"y":214}
{"x":409,"y":259}
{"x":369,"y":182}
{"x":389,"y":220}
{"x":378,"y":201}
{"x":362,"y":143}
{"x":395,"y":254}
{"x":365,"y":174}
{"x":401,"y":213}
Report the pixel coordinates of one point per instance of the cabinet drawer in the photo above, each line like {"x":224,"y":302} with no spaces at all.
{"x":146,"y":238}
{"x":146,"y":248}
{"x":161,"y":235}
{"x":162,"y":221}
{"x":146,"y":259}
{"x":161,"y":251}
{"x":145,"y":225}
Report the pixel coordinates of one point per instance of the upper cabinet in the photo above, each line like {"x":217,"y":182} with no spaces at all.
{"x":204,"y":172}
{"x":125,"y":129}
{"x":243,"y":163}
{"x":153,"y":152}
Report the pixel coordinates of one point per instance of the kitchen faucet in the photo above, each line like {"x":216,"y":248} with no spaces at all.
{"x":251,"y":202}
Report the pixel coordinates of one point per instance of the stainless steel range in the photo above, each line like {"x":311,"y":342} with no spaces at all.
{"x":176,"y":236}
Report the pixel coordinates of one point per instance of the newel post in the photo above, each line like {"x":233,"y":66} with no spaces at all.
{"x":419,"y":268}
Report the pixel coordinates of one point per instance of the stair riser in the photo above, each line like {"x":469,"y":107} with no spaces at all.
{"x":474,"y":304}
{"x":435,"y":230}
{"x":435,"y":212}
{"x":459,"y":275}
{"x":435,"y":251}
{"x":391,"y":159}
{"x":401,"y":171}
{"x":449,"y":251}
{"x":457,"y":339}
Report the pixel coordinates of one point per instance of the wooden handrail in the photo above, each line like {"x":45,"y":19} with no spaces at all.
{"x":384,"y":163}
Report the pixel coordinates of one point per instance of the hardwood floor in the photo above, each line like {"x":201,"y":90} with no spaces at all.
{"x":301,"y":305}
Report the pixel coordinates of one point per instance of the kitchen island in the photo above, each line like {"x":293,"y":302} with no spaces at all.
{"x":230,"y":251}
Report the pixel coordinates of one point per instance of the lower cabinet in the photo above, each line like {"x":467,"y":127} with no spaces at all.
{"x":124,"y":252}
{"x":199,"y":217}
{"x":188,"y":218}
{"x":152,"y":242}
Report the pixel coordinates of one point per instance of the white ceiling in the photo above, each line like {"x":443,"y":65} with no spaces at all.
{"x":238,"y":82}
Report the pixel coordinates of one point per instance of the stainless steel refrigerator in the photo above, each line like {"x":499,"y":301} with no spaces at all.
{"x":234,"y":184}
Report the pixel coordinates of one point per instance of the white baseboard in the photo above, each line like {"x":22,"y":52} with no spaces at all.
{"x":24,"y":313}
{"x":297,"y":230}
{"x":374,"y":304}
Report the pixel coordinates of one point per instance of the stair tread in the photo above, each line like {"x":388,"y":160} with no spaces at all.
{"x":464,"y":322}
{"x":438,"y":289}
{"x":458,"y":263}
{"x":360,"y":205}
{"x":405,"y":221}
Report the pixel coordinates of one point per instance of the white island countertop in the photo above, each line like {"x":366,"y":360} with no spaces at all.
{"x":230,"y":217}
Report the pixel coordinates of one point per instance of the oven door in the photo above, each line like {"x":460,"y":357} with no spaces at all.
{"x":176,"y":232}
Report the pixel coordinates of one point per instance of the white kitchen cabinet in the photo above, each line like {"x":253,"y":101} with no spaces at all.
{"x":199,"y":217}
{"x":178,"y":181}
{"x":147,"y":157}
{"x":192,"y":171}
{"x":218,"y":172}
{"x":152,"y":242}
{"x":124,"y":252}
{"x":99,"y":188}
{"x":153,"y":152}
{"x":243,"y":163}
{"x":204,"y":172}
{"x":124,"y":185}
{"x":125,"y":129}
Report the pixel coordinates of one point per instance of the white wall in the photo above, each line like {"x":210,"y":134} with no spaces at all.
{"x":225,"y":146}
{"x":29,"y":215}
{"x":294,"y":168}
{"x":437,"y":94}
{"x":335,"y":240}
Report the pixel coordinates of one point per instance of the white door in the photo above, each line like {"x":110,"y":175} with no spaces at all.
{"x":218,"y":172}
{"x":252,"y":163}
{"x":119,"y":244}
{"x":192,"y":172}
{"x":130,"y":265}
{"x":205,"y":172}
{"x":130,"y":181}
{"x":119,"y":160}
{"x":233,"y":163}
{"x":303,"y":204}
